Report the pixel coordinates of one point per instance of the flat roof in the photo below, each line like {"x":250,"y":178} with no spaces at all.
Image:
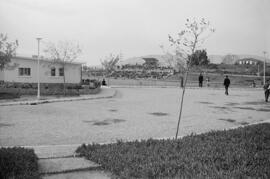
{"x":43,"y":59}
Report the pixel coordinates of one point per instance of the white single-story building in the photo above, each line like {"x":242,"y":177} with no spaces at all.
{"x":24,"y":70}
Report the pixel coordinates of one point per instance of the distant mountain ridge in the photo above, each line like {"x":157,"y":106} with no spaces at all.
{"x":216,"y":59}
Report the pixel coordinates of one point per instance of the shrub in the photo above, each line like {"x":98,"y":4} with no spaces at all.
{"x":237,"y":153}
{"x":18,"y":162}
{"x":9,"y":95}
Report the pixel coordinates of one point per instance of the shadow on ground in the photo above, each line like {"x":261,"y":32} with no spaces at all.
{"x":104,"y":122}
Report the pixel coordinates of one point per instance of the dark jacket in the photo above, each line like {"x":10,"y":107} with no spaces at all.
{"x":227,"y":82}
{"x":266,"y":86}
{"x":200,"y":78}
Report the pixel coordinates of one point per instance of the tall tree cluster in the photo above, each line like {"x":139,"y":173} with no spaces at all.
{"x":198,"y":58}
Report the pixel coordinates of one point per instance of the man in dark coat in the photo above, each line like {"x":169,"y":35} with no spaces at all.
{"x":266,"y":88}
{"x":200,"y":80}
{"x":226,"y":83}
{"x":103,"y":82}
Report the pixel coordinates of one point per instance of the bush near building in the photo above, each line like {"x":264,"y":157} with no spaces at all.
{"x":18,"y":162}
{"x":236,"y":153}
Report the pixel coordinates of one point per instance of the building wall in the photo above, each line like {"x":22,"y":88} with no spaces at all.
{"x":72,"y":72}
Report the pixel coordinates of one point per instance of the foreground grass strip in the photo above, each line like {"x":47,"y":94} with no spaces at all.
{"x":236,"y":153}
{"x":18,"y":162}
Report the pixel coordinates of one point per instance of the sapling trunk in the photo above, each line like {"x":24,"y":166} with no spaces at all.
{"x":181,"y":104}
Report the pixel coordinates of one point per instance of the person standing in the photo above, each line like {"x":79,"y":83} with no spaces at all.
{"x":103,"y":82}
{"x":227,"y":83}
{"x":200,"y":80}
{"x":266,"y":88}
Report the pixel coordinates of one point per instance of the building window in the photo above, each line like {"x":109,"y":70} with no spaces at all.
{"x":24,"y":71}
{"x":52,"y":71}
{"x":61,"y":71}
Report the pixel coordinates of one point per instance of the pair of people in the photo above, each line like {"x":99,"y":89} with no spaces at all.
{"x":201,"y":81}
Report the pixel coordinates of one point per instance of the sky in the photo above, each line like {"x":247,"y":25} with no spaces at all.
{"x":134,"y":27}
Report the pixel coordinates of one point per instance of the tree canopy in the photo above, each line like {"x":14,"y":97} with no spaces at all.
{"x":7,"y":50}
{"x":187,"y":41}
{"x":110,"y":62}
{"x":63,"y":52}
{"x":198,"y":58}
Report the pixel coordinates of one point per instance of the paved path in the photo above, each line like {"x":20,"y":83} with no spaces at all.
{"x":72,"y":168}
{"x":134,"y":113}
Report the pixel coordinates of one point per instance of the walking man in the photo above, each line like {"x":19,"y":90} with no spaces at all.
{"x":266,"y":88}
{"x":226,"y":84}
{"x":200,"y":80}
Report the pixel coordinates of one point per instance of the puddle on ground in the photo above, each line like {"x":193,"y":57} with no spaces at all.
{"x":159,"y":114}
{"x":263,"y":109}
{"x":220,"y":107}
{"x":101,"y":123}
{"x":6,"y":125}
{"x":104,"y":122}
{"x":228,"y":120}
{"x":246,"y":108}
{"x":232,"y":104}
{"x":205,"y":102}
{"x":254,"y":103}
{"x":243,"y":123}
{"x":113,"y":110}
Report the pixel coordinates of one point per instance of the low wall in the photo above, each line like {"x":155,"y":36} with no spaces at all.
{"x":235,"y":83}
{"x":47,"y":89}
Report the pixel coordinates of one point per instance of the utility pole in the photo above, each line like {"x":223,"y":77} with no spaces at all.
{"x":38,"y":80}
{"x":264,"y":64}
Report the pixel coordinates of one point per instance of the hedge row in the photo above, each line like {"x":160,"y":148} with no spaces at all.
{"x":237,"y":153}
{"x":18,"y":162}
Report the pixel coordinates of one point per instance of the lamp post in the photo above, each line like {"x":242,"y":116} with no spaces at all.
{"x":264,"y":64}
{"x":38,"y":81}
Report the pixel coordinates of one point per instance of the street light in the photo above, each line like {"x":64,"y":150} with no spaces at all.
{"x":38,"y":81}
{"x":264,"y":64}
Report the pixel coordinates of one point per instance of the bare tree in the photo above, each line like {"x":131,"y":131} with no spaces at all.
{"x":7,"y":50}
{"x":184,"y":46}
{"x":110,"y":62}
{"x":63,"y":53}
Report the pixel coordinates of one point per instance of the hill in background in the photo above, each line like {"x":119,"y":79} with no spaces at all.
{"x":216,"y":59}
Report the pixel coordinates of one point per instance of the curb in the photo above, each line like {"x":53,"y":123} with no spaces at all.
{"x":57,"y":100}
{"x":72,"y":170}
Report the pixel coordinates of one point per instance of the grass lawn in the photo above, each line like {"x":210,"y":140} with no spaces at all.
{"x":236,"y":153}
{"x":18,"y":162}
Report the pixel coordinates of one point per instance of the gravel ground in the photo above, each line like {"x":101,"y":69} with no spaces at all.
{"x":134,"y":113}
